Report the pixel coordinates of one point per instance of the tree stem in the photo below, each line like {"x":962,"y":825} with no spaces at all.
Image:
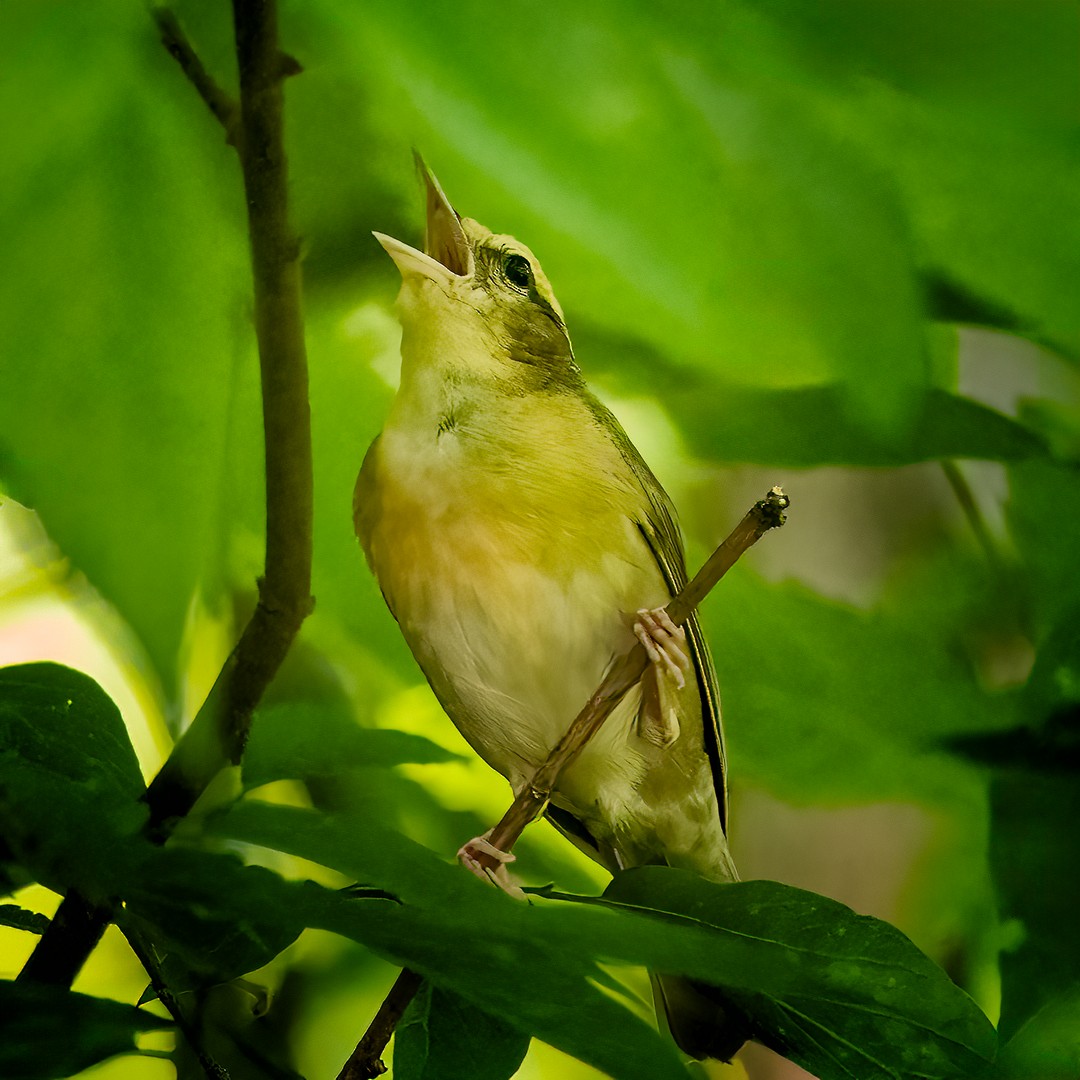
{"x":218,"y":733}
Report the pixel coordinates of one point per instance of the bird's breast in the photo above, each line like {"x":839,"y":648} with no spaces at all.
{"x":514,"y":572}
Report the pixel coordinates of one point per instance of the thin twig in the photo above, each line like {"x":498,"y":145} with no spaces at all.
{"x":365,"y":1062}
{"x":146,"y":957}
{"x":627,"y":672}
{"x":224,"y":108}
{"x":966,"y":498}
{"x":219,"y":731}
{"x":764,"y":515}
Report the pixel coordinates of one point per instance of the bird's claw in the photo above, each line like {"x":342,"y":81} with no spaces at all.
{"x":469,"y":856}
{"x":664,"y":642}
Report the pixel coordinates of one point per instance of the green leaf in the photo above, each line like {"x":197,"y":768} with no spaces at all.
{"x":1032,"y":841}
{"x":1044,"y":520}
{"x":682,"y":192}
{"x":809,"y":426}
{"x":302,"y":741}
{"x":21,"y":919}
{"x":841,"y":994}
{"x":1048,"y":1044}
{"x":880,"y":687}
{"x":442,"y":1037}
{"x":205,"y":916}
{"x":70,"y":783}
{"x":123,"y":213}
{"x":834,"y":989}
{"x":463,"y":936}
{"x":799,"y":426}
{"x":48,"y":1033}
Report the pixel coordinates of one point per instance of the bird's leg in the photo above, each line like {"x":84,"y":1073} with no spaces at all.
{"x":469,"y":853}
{"x":665,"y":643}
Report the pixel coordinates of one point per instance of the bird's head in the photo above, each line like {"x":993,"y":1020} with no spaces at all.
{"x":478,"y":303}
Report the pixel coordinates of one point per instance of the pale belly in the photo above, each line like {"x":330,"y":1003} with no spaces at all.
{"x":515,"y":604}
{"x":514,"y":651}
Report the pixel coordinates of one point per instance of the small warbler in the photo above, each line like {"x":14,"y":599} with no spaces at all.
{"x":522,"y":543}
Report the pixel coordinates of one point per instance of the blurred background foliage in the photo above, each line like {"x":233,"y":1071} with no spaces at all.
{"x":831,"y":245}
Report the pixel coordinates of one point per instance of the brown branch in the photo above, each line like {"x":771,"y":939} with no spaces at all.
{"x":365,"y":1062}
{"x":530,"y":803}
{"x":627,"y":672}
{"x":217,"y":736}
{"x":146,"y":956}
{"x":218,"y":733}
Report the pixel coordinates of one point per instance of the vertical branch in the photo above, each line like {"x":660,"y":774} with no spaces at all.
{"x":216,"y":737}
{"x":218,"y":734}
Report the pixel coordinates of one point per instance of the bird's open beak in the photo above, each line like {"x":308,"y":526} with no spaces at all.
{"x":446,"y":253}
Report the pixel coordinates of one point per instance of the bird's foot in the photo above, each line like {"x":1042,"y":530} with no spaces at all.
{"x":658,"y":721}
{"x":469,"y":856}
{"x":664,"y":642}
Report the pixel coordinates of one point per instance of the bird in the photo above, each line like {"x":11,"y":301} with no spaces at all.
{"x":523,"y":545}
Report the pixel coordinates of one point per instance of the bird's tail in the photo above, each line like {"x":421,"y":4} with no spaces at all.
{"x":701,"y":1021}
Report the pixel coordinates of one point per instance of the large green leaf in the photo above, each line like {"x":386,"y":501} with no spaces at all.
{"x":466,"y":938}
{"x":836,"y":685}
{"x":48,"y":1033}
{"x":799,"y":426}
{"x":123,"y":321}
{"x":673,"y":188}
{"x":792,"y":958}
{"x":971,"y":107}
{"x":70,"y":785}
{"x":844,"y":995}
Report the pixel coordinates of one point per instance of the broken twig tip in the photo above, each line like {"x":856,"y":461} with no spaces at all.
{"x":770,"y":510}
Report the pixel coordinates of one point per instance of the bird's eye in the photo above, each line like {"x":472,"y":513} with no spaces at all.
{"x":517,"y":270}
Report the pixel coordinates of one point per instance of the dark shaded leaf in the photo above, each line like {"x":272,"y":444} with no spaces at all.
{"x":808,"y":426}
{"x":1054,"y":747}
{"x":48,"y":1033}
{"x":21,"y":919}
{"x":843,"y":995}
{"x":1035,"y":861}
{"x":442,"y":1037}
{"x":463,"y":936}
{"x":69,"y":780}
{"x":204,"y":917}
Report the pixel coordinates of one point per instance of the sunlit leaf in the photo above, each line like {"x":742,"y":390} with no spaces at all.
{"x":301,"y":741}
{"x":122,"y":214}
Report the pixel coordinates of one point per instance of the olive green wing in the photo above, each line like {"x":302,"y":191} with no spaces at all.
{"x":661,"y":532}
{"x":662,"y":535}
